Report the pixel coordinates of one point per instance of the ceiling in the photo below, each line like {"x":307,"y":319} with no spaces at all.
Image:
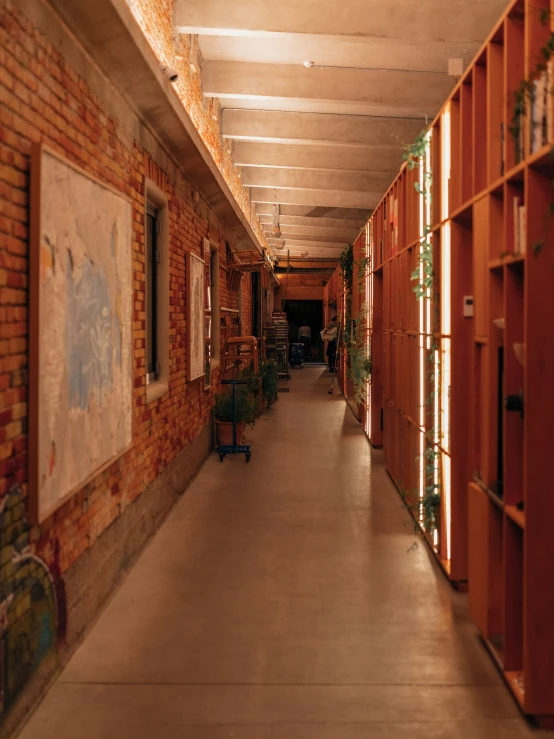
{"x":320,"y":145}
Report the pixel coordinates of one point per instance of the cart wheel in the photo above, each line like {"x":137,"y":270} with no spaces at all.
{"x":221,"y":457}
{"x":248,"y":458}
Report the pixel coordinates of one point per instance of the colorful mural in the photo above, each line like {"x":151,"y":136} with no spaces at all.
{"x":30,"y":624}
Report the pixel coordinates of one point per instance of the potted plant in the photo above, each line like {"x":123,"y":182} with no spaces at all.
{"x":431,"y":511}
{"x":246,"y":408}
{"x":269,"y":372}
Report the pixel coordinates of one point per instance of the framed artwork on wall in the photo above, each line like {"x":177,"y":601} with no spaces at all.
{"x":195,"y":284}
{"x":81,"y":322}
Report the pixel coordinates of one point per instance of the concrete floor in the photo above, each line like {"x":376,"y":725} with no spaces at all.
{"x":279,"y":601}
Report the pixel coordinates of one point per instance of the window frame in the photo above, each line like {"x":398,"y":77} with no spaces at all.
{"x":157,"y":382}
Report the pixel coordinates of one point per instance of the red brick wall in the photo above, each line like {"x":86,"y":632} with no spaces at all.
{"x":43,"y":98}
{"x":302,"y":287}
{"x":156,"y":19}
{"x":246,"y":287}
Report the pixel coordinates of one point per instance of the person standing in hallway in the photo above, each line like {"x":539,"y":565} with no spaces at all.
{"x":305,"y":337}
{"x":330,"y":335}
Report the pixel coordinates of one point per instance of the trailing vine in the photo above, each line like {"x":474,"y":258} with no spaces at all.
{"x":423,"y":278}
{"x":525,"y":93}
{"x":356,"y":346}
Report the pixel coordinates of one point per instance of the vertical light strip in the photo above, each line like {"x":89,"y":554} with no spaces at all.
{"x":427,"y":203}
{"x":446,"y":329}
{"x":421,"y":343}
{"x":369,"y":305}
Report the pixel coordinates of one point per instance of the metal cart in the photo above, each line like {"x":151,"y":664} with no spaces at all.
{"x":235,"y":448}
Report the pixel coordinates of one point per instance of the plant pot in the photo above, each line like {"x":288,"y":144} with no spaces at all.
{"x":225,"y":432}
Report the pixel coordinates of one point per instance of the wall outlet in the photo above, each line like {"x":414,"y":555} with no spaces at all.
{"x":468,"y":306}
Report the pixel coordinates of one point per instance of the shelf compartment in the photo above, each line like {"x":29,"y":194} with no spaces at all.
{"x":480,"y":127}
{"x":485,"y":564}
{"x":466,"y":114}
{"x":514,"y":71}
{"x":496,"y":107}
{"x":496,"y":224}
{"x":513,"y":382}
{"x":513,"y":595}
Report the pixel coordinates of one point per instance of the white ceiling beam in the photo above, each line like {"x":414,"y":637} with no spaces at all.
{"x":406,"y":94}
{"x":315,"y":211}
{"x":326,"y":158}
{"x":300,"y":236}
{"x":322,"y":198}
{"x":336,"y":51}
{"x":322,"y":244}
{"x":314,"y":180}
{"x":318,"y":231}
{"x":425,"y":20}
{"x":337,"y":225}
{"x":327,"y":130}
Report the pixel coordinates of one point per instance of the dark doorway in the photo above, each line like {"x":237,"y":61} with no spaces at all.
{"x":310,"y":311}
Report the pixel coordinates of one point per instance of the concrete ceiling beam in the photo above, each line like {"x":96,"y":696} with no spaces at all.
{"x":327,"y":158}
{"x":307,"y":243}
{"x":314,"y":211}
{"x":318,"y":231}
{"x":337,"y":225}
{"x":307,"y":236}
{"x":413,"y":94}
{"x":426,"y":20}
{"x":310,"y":128}
{"x":314,"y":180}
{"x":321,"y":198}
{"x":336,"y":51}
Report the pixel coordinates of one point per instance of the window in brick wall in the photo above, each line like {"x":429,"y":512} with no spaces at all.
{"x":214,"y":289}
{"x":153,"y":258}
{"x":156,"y":220}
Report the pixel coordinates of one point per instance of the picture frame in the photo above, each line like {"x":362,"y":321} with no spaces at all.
{"x":195,"y":314}
{"x":80,"y":329}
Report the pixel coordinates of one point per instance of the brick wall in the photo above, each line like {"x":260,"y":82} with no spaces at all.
{"x":246,"y":288}
{"x":302,"y":287}
{"x":42,"y":97}
{"x":155,"y":18}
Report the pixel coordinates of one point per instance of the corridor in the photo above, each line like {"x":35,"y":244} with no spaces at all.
{"x":284,"y":600}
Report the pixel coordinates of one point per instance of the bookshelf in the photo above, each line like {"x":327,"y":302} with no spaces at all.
{"x":474,"y":358}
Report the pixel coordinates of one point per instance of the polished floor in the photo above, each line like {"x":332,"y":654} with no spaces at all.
{"x":283,"y":600}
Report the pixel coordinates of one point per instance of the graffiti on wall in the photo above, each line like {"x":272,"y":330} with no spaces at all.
{"x":29,"y":602}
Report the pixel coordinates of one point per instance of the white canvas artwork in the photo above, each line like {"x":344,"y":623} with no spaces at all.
{"x":83,"y":350}
{"x":195,"y":317}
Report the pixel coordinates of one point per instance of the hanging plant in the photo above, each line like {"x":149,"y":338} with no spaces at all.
{"x":423,"y":278}
{"x":358,"y":358}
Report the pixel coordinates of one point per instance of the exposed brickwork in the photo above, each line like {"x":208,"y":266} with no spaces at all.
{"x":246,"y":287}
{"x":43,"y":98}
{"x":302,"y":287}
{"x":155,"y":18}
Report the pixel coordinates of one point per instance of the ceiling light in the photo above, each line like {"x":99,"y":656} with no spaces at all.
{"x":309,"y":65}
{"x":304,"y":254}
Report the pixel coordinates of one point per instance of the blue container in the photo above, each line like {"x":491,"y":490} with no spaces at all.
{"x":297,"y":355}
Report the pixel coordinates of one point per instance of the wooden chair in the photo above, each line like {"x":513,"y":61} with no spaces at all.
{"x":240,"y":349}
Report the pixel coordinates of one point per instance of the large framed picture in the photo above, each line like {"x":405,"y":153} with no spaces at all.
{"x":81,"y":343}
{"x":195,"y":283}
